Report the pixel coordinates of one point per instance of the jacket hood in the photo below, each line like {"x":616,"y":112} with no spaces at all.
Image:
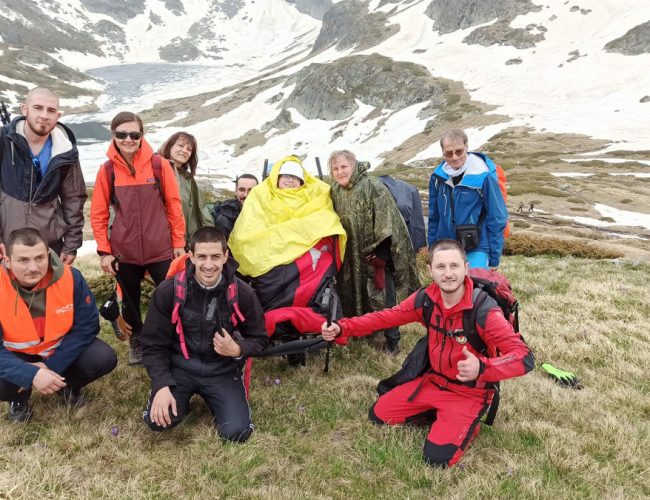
{"x":359,"y":171}
{"x":63,"y":139}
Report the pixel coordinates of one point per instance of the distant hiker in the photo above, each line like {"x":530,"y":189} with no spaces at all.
{"x":409,"y":203}
{"x":466,"y":202}
{"x":379,"y":261}
{"x":192,"y":346}
{"x":531,"y":207}
{"x":48,"y":325}
{"x":181,"y":151}
{"x":289,"y":241}
{"x":225,"y":213}
{"x":148,"y":229}
{"x":41,"y":183}
{"x":445,"y":374}
{"x":521,"y":207}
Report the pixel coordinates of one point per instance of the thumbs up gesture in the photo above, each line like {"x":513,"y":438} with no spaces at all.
{"x":469,"y":367}
{"x":225,"y":345}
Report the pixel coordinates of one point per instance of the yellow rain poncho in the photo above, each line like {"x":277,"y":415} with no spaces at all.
{"x":277,"y":226}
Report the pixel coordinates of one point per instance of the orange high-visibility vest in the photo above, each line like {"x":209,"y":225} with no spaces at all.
{"x":18,"y":331}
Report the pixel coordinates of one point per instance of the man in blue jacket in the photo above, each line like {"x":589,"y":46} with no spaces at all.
{"x":465,"y":202}
{"x":48,"y":327}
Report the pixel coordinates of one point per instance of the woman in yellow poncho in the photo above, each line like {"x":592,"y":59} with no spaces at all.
{"x":289,"y":240}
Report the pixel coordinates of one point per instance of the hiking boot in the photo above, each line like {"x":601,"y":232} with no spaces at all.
{"x":135,"y":351}
{"x":73,"y":397}
{"x":391,"y":347}
{"x":19,"y":411}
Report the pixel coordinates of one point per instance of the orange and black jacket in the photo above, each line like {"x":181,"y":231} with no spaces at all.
{"x":53,"y":322}
{"x":145,"y":228}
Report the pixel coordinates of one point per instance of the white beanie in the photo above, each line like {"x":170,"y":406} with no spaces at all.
{"x":292,"y":168}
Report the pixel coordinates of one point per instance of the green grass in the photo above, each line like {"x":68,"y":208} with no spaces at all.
{"x":313,"y":438}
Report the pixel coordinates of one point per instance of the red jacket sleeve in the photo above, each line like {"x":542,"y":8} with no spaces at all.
{"x":173,"y":205}
{"x":100,"y":212}
{"x":514,"y":359}
{"x":401,"y":314}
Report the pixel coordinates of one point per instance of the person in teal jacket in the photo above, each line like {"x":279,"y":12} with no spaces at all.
{"x":465,"y":202}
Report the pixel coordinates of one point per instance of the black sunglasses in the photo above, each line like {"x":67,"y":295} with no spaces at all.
{"x":136,"y":136}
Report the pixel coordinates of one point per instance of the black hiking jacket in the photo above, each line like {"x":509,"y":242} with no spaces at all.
{"x":161,"y":348}
{"x":53,"y":204}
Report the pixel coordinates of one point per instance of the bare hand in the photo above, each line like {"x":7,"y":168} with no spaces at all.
{"x":469,"y":367}
{"x":179,"y":251}
{"x":329,"y":333}
{"x":225,"y":345}
{"x":67,"y":258}
{"x":48,"y":382}
{"x":127,"y":330}
{"x":162,"y":401}
{"x":105,"y":263}
{"x":495,"y":268}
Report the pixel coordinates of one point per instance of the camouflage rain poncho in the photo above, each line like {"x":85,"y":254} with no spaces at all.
{"x":369,"y":215}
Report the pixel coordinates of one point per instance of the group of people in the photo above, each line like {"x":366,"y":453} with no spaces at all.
{"x":230,"y":277}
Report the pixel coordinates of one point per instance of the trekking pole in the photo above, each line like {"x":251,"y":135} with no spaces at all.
{"x":329,"y":302}
{"x":4,"y":114}
{"x":266,"y":164}
{"x":320,"y":171}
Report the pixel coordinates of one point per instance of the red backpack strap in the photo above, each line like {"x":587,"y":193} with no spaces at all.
{"x":109,"y":170}
{"x":180,"y":293}
{"x":232,"y":294}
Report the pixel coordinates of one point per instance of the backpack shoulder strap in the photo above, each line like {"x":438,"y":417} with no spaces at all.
{"x":471,"y":316}
{"x":109,"y":170}
{"x":180,"y":293}
{"x":232,"y":295}
{"x":156,"y":166}
{"x":424,"y":301}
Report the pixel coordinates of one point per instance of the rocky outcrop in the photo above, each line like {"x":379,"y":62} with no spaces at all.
{"x":349,"y":24}
{"x":127,"y":10}
{"x":30,"y":27}
{"x":330,"y":91}
{"x":313,"y":8}
{"x":179,"y":50}
{"x":634,"y":42}
{"x":461,"y":14}
{"x":282,"y":123}
{"x":500,"y":33}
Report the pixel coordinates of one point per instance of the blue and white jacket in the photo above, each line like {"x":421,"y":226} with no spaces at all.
{"x":477,"y":191}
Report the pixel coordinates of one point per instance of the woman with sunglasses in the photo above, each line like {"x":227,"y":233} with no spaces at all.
{"x":180,"y":150}
{"x":148,"y":228}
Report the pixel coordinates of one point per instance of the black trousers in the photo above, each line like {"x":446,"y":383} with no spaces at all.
{"x":131,"y":276}
{"x":391,"y":300}
{"x":96,"y":361}
{"x":225,"y":396}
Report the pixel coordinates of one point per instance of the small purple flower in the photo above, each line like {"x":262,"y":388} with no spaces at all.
{"x":277,"y":381}
{"x":461,"y":466}
{"x":509,"y":471}
{"x":114,"y":431}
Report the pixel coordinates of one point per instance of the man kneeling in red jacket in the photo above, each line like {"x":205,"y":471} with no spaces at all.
{"x":458,"y":387}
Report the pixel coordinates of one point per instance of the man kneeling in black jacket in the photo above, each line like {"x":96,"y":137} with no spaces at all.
{"x":216,"y":323}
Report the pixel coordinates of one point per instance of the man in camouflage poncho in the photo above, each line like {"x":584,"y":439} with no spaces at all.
{"x":379,"y":259}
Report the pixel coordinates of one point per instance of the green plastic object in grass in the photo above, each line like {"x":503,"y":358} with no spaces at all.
{"x":562,"y":377}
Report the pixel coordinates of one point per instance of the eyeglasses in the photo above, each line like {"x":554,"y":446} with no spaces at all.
{"x":136,"y":136}
{"x":450,"y":154}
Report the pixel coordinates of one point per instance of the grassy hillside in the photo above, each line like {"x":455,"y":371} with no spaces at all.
{"x":313,"y":438}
